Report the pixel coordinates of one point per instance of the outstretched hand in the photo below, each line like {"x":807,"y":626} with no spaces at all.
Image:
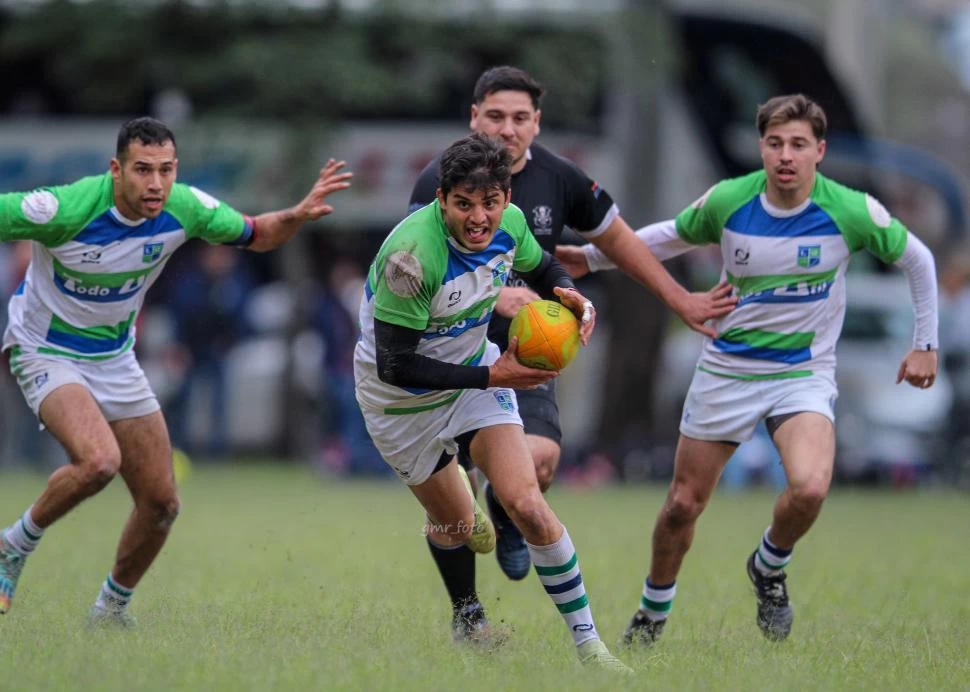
{"x":580,"y":306}
{"x":698,"y":308}
{"x":918,"y":368}
{"x":573,"y":258}
{"x":331,"y":180}
{"x":507,"y":371}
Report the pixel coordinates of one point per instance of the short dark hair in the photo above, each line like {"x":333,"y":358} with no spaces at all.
{"x":507,"y":78}
{"x":475,"y":162}
{"x":783,"y":109}
{"x":146,"y":130}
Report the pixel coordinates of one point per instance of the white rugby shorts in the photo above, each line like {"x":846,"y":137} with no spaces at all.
{"x":117,"y":384}
{"x":726,"y":409}
{"x":412,"y":443}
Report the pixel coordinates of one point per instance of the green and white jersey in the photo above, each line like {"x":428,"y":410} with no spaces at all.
{"x":91,"y":267}
{"x":423,"y":279}
{"x":787,"y":268}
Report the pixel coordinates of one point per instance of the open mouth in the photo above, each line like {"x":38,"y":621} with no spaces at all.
{"x":786,"y":174}
{"x":477,"y":235}
{"x":152,"y":203}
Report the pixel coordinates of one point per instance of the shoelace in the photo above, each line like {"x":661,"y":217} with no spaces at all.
{"x":774,"y":591}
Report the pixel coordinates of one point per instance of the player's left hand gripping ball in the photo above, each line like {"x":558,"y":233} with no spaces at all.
{"x":582,"y":307}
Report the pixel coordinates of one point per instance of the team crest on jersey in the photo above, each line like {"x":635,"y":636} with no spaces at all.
{"x":809,"y":255}
{"x":542,"y":220}
{"x":500,"y":274}
{"x":151,"y":252}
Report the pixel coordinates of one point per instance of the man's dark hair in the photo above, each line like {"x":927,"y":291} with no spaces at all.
{"x":145,"y":130}
{"x":784,"y":109}
{"x":507,"y":78}
{"x":475,"y":162}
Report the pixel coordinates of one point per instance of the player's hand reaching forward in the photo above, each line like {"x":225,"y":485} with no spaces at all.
{"x":573,"y":259}
{"x":918,"y":368}
{"x":512,"y":299}
{"x":696,"y":308}
{"x":507,"y":371}
{"x":580,"y":306}
{"x":331,"y":180}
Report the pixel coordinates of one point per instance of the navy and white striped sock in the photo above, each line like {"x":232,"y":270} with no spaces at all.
{"x":558,"y":570}
{"x":771,"y":560}
{"x":657,"y":599}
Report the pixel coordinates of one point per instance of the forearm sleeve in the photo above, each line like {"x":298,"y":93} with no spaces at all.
{"x":399,"y":365}
{"x":661,"y":238}
{"x":920,"y":269}
{"x":548,"y":274}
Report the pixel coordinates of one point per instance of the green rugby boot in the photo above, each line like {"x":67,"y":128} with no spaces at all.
{"x":594,"y":654}
{"x":483,"y":533}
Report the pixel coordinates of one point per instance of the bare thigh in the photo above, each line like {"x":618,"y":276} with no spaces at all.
{"x":74,"y":418}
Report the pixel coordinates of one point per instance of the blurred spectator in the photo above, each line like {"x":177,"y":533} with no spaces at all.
{"x":346,"y":446}
{"x":208,"y":305}
{"x":955,"y":347}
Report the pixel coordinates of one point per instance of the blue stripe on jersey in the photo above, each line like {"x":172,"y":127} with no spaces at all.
{"x":368,"y":291}
{"x":106,"y":229}
{"x":775,"y":355}
{"x":458,"y":328}
{"x":461,"y":263}
{"x":752,"y":219}
{"x":246,"y":237}
{"x":84,"y":344}
{"x":414,"y":390}
{"x":21,"y":288}
{"x":772,"y":296}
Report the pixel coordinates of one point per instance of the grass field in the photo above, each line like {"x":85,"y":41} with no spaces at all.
{"x":273,"y":579}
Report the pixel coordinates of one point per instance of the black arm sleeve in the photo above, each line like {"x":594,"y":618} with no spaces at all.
{"x":399,"y":365}
{"x":548,"y":274}
{"x":425,"y":187}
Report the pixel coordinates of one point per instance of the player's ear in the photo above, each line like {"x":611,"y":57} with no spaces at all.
{"x":538,"y":118}
{"x":508,"y":198}
{"x":440,"y":196}
{"x":474,"y":117}
{"x":821,"y":152}
{"x":115,"y":167}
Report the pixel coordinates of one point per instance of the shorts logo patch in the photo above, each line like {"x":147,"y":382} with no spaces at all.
{"x":40,"y":380}
{"x":151,"y":252}
{"x":505,"y":399}
{"x":809,"y":256}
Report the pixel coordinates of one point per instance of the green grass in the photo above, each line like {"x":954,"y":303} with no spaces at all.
{"x":274,"y":579}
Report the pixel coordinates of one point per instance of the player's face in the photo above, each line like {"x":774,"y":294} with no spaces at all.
{"x":473,"y":216}
{"x":510,"y":117}
{"x":143,"y":179}
{"x":791,"y":153}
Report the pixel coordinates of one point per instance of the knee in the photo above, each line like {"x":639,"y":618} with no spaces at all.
{"x":683,"y":506}
{"x":162,"y":511}
{"x":809,"y":495}
{"x":529,"y":511}
{"x":99,"y":468}
{"x":546,"y":465}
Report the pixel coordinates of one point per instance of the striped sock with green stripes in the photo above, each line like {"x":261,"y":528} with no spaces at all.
{"x":24,"y":535}
{"x":771,"y":560}
{"x":558,"y":570}
{"x":113,"y":596}
{"x":657,"y":599}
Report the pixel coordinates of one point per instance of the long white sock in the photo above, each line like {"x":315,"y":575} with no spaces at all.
{"x":113,"y":596}
{"x":559,"y":573}
{"x":24,"y":535}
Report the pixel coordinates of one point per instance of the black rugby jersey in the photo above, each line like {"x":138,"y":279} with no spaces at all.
{"x":553,"y":193}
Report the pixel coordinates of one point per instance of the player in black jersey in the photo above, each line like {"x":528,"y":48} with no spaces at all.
{"x":553,"y":193}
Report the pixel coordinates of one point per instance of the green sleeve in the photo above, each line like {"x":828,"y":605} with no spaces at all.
{"x":53,"y":215}
{"x":528,"y":252}
{"x":203,"y":216}
{"x":405,"y":277}
{"x":703,"y":221}
{"x":864,"y":222}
